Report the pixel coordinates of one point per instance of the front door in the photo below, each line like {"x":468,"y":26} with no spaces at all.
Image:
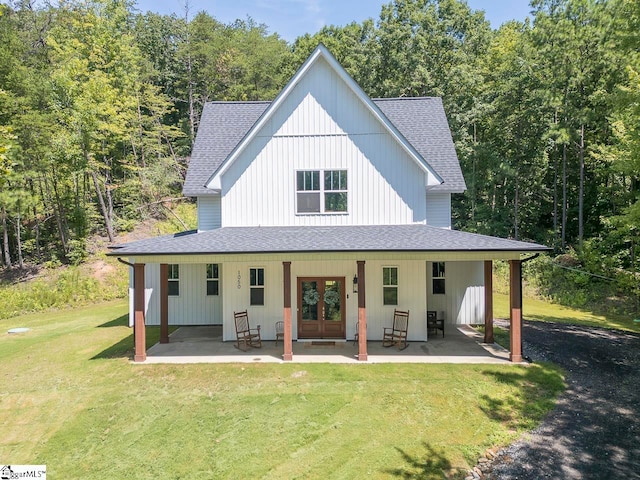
{"x":321,"y":307}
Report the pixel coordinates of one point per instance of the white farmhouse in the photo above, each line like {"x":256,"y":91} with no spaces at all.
{"x":324,"y":209}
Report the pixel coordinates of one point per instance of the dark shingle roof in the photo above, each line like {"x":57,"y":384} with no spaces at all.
{"x":421,"y":121}
{"x":367,"y":238}
{"x":222,"y":126}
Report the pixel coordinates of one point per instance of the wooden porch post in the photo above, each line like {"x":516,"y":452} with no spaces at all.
{"x":488,"y":302}
{"x":288,"y":343}
{"x":515,"y":330}
{"x":164,"y":303}
{"x":362,"y":314}
{"x":139,"y":334}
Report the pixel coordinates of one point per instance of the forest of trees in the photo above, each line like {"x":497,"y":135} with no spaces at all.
{"x":99,"y":105}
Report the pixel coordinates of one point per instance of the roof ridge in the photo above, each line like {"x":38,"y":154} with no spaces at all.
{"x":405,"y":98}
{"x":237,"y":102}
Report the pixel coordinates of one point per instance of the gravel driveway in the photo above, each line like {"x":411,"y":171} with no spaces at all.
{"x":594,"y":431}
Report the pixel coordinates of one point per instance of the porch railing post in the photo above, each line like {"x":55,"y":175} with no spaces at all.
{"x":288,"y":342}
{"x":139,"y":334}
{"x":515,"y":329}
{"x":488,"y":302}
{"x":362,"y":314}
{"x":164,"y":303}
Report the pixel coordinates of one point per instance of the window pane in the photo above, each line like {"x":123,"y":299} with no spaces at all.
{"x":257,"y":296}
{"x":390,"y":295}
{"x":390,"y":276}
{"x":308,"y":202}
{"x":173,"y":271}
{"x":438,"y":285}
{"x":315,"y":180}
{"x":335,"y":180}
{"x":335,"y":202}
{"x":260,"y":276}
{"x":300,"y":181}
{"x":212,"y":287}
{"x":438,"y":269}
{"x":252,"y":276}
{"x":174,"y":288}
{"x":212,"y":270}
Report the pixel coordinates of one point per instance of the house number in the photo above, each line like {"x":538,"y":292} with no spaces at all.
{"x":239,"y":286}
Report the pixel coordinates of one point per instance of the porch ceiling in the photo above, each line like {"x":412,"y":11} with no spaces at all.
{"x":311,"y":239}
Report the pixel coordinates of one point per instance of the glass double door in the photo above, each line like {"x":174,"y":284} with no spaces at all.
{"x":321,"y":307}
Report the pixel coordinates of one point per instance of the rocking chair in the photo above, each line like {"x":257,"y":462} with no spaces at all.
{"x":246,"y":336}
{"x":397,"y":333}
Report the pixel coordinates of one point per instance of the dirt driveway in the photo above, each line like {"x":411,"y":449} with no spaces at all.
{"x":594,"y":431}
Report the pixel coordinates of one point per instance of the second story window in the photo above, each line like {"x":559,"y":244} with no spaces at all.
{"x":321,"y":191}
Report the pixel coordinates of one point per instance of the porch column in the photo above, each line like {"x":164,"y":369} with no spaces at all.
{"x":139,"y":334}
{"x":515,"y":330}
{"x":288,"y":343}
{"x":164,"y":303}
{"x":362,"y":314}
{"x":488,"y":302}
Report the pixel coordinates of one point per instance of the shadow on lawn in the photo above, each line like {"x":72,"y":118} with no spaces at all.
{"x":121,"y":321}
{"x":430,"y":466}
{"x":538,"y":388}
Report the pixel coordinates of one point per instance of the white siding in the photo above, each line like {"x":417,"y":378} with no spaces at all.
{"x":463,"y":301}
{"x":323,"y":125}
{"x":209,"y":213}
{"x":193,"y":306}
{"x":410,"y":295}
{"x":439,"y":209}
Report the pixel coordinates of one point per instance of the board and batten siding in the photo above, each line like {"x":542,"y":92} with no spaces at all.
{"x":192,"y":307}
{"x":439,"y":209}
{"x":209,"y":213}
{"x":322,"y":125}
{"x":411,"y":287}
{"x":463,"y":300}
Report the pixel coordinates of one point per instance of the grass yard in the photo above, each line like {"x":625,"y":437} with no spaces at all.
{"x":539,"y":310}
{"x":72,"y":400}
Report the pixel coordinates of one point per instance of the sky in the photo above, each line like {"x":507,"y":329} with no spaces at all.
{"x":292,"y":18}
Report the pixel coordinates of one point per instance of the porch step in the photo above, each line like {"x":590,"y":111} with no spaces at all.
{"x":321,"y":341}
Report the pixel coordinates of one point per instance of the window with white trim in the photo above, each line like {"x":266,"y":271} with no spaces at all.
{"x":437,"y":278}
{"x":256,"y":286}
{"x":213,"y":279}
{"x":173,"y":278}
{"x":321,"y":191}
{"x":390,"y":285}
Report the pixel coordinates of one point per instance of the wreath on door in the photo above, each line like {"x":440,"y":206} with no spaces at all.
{"x":311,"y":296}
{"x":331,"y":297}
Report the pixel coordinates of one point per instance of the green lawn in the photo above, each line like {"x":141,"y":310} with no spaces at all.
{"x":72,"y":400}
{"x":539,"y":310}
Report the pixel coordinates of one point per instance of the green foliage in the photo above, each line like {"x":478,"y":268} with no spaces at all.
{"x":71,"y":286}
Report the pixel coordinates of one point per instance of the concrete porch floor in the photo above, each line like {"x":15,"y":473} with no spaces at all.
{"x":461,"y":344}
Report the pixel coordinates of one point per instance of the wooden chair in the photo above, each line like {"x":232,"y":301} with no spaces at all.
{"x":397,"y":333}
{"x":246,"y":336}
{"x":356,"y":336}
{"x":434,"y":323}
{"x":279,"y":331}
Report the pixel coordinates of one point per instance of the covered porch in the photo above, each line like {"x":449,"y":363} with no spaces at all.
{"x":463,"y":344}
{"x":336,"y":251}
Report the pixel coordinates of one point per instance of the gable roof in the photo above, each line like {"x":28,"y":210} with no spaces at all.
{"x":421,"y":120}
{"x":359,"y":238}
{"x":224,"y":130}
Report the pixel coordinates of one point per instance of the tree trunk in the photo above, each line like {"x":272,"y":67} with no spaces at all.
{"x":19,"y":242}
{"x":5,"y":239}
{"x":58,"y":212}
{"x":515,"y":208}
{"x":103,"y":207}
{"x":564,"y":196}
{"x":581,"y":193}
